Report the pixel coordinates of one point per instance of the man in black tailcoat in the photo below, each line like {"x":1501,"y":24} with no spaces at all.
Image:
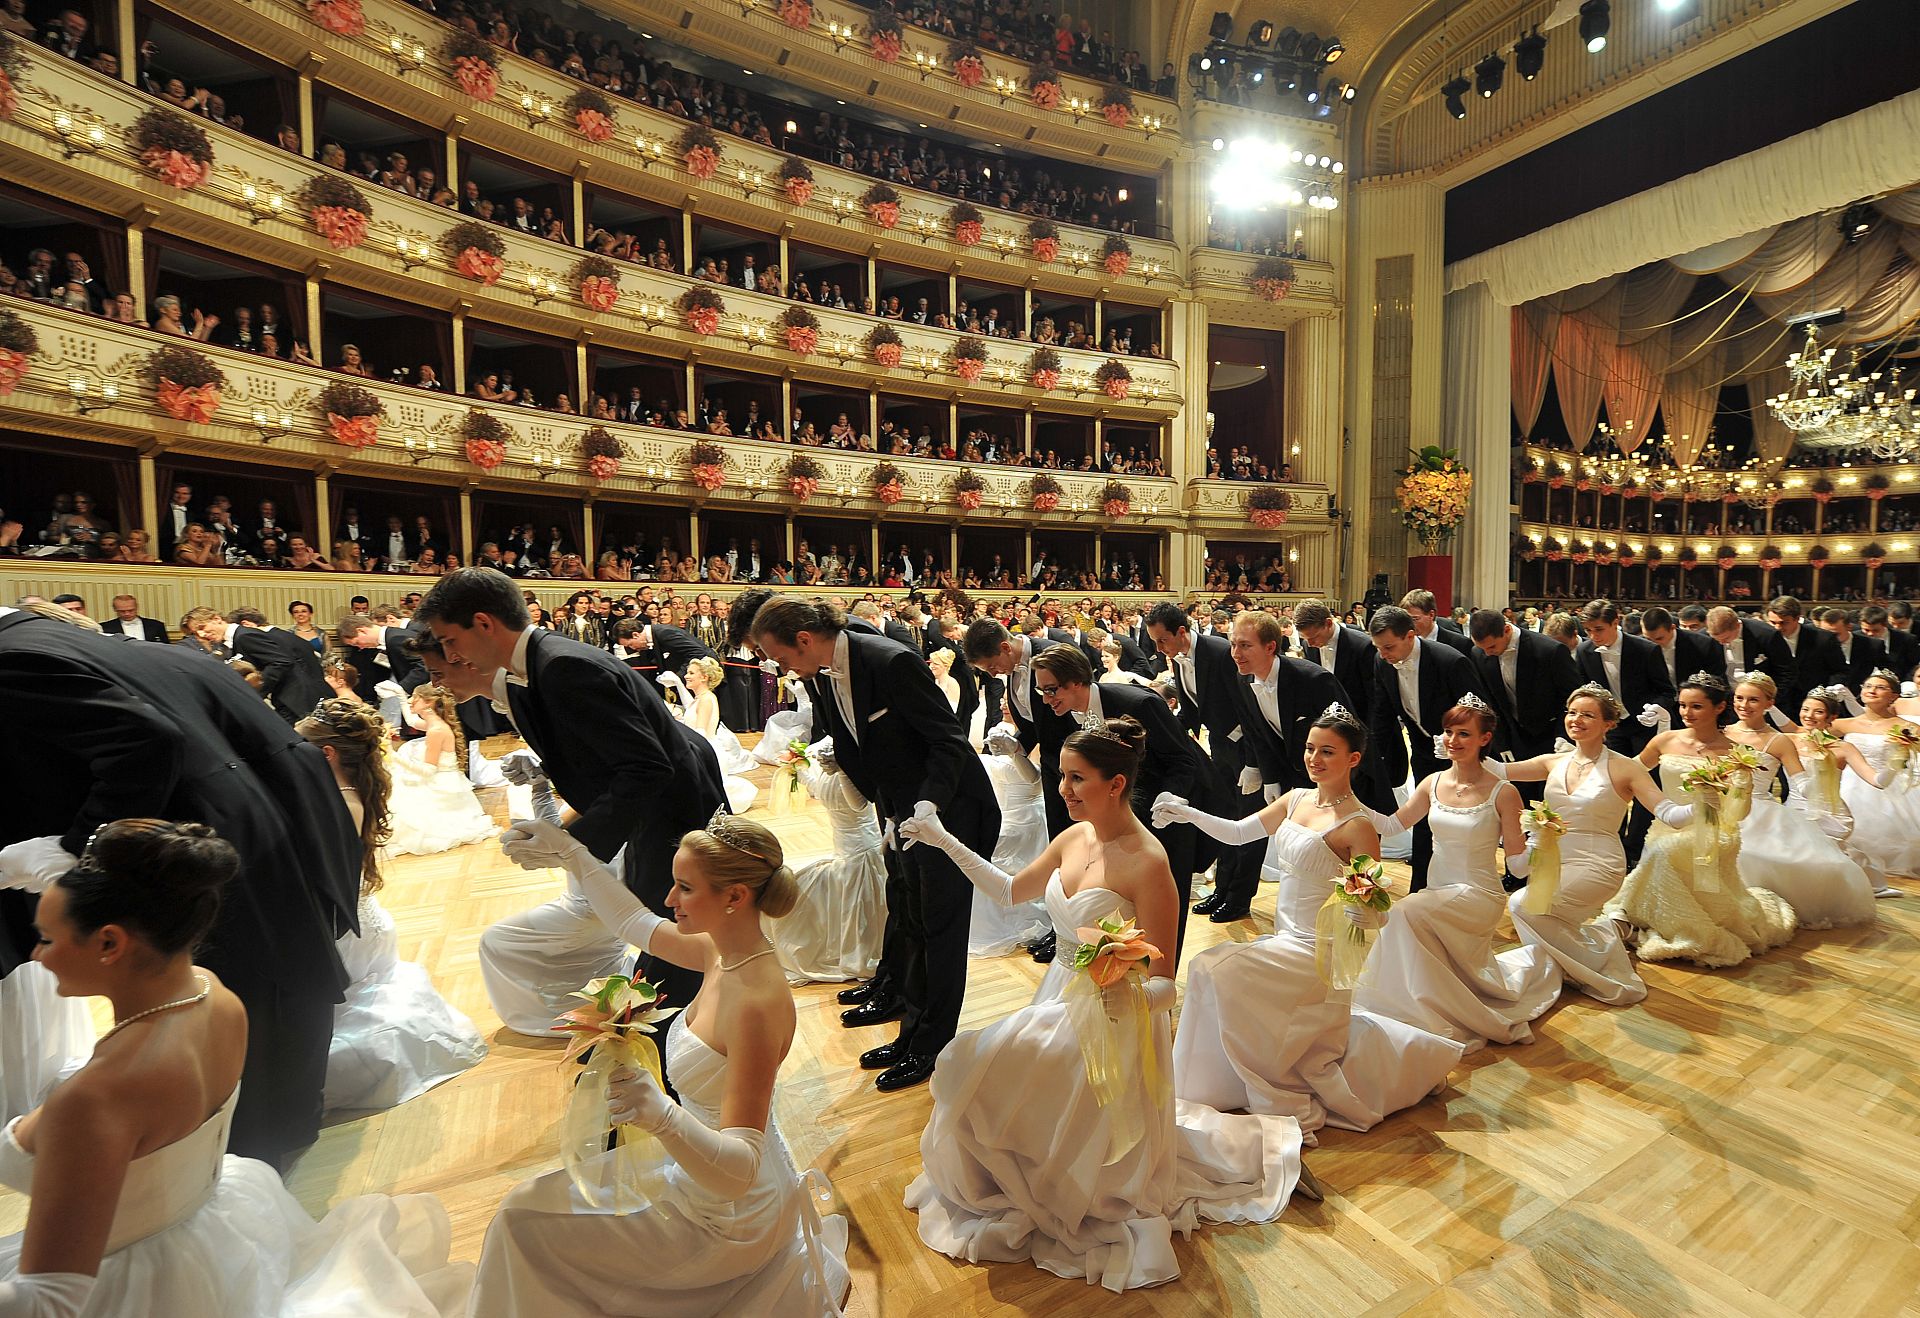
{"x":1279,"y":697}
{"x":897,"y":739}
{"x":1632,"y":668}
{"x":290,"y":674}
{"x":1529,"y":677}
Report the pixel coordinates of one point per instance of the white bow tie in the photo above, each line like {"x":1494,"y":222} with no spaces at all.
{"x":1403,"y":666}
{"x":832,"y":674}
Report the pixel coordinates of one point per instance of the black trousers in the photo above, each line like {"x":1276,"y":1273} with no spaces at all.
{"x":1236,"y":875}
{"x":285,"y":1075}
{"x":650,"y":879}
{"x":1423,"y":765}
{"x":888,"y":972}
{"x":934,"y":915}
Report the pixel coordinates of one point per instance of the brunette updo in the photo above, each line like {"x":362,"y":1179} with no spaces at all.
{"x":1113,"y":749}
{"x":156,"y":879}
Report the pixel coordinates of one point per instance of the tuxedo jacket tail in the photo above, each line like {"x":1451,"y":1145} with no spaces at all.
{"x":290,"y":674}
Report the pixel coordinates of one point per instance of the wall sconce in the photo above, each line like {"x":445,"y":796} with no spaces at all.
{"x":1004,"y":87}
{"x":1007,"y":244}
{"x":1079,"y":106}
{"x":750,"y":180}
{"x":651,"y":314}
{"x":541,"y":288}
{"x":260,"y":207}
{"x":419,"y":451}
{"x":410,"y":56}
{"x":842,"y":33}
{"x":649,"y":152}
{"x":271,"y":427}
{"x":544,"y":464}
{"x":926,"y":62}
{"x":1153,"y":123}
{"x":754,"y":336}
{"x":1151,"y":270}
{"x":81,"y":391}
{"x":411,"y":253}
{"x":537,"y":111}
{"x":76,"y":138}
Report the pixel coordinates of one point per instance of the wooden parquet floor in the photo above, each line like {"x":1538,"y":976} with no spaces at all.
{"x":1745,"y":1143}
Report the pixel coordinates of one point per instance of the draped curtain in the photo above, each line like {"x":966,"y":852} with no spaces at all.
{"x":1533,"y":330}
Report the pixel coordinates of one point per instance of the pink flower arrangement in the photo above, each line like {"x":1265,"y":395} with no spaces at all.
{"x":478,"y":79}
{"x":707,"y":463}
{"x":796,"y":14}
{"x":593,"y":125}
{"x":603,"y":453}
{"x":969,"y":358}
{"x":599,"y":294}
{"x":486,"y":439}
{"x":481,"y":265}
{"x":173,"y":148}
{"x":186,"y":383}
{"x":969,"y":70}
{"x":968,"y":368}
{"x":341,"y":226}
{"x":1043,"y":368}
{"x":341,"y":17}
{"x":486,"y":454}
{"x":796,"y":180}
{"x":339,"y":210}
{"x":1043,"y":239}
{"x":1116,"y":106}
{"x":1112,"y":950}
{"x":477,"y":249}
{"x":17,"y":344}
{"x":1114,"y":379}
{"x":889,"y":486}
{"x":1272,"y":278}
{"x":1043,"y":87}
{"x":189,"y":402}
{"x":883,"y":205}
{"x":700,"y":150}
{"x":353,"y":413}
{"x":969,"y":490}
{"x":354,"y":431}
{"x":1116,"y":500}
{"x":968,"y":227}
{"x":884,"y":36}
{"x":804,"y":474}
{"x":1267,"y":507}
{"x":174,"y":169}
{"x":884,"y":346}
{"x":9,"y":98}
{"x":1116,"y":256}
{"x":703,"y":320}
{"x":702,"y":308}
{"x":1044,"y":491}
{"x":13,"y":369}
{"x":802,"y":330}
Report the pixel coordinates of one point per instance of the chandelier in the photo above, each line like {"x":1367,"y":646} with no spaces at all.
{"x":1815,"y":398}
{"x":1883,"y":420}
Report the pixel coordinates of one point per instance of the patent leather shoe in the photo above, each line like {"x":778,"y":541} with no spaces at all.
{"x":886,"y":1055}
{"x":914,"y":1070}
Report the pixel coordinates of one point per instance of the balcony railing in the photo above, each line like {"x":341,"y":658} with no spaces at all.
{"x":1215,"y":271}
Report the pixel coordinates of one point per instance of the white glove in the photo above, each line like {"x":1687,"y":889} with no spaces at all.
{"x":925,"y":826}
{"x":1778,"y":716}
{"x":822,"y":752}
{"x":1497,"y":768}
{"x":1160,"y":994}
{"x":1852,"y":701}
{"x":46,"y":1295}
{"x":634,"y":1098}
{"x":1909,"y":689}
{"x":1171,"y":809}
{"x":32,"y":865}
{"x":682,"y":702}
{"x":1673,"y":815}
{"x":1654,"y":716}
{"x":722,"y":1162}
{"x":771,"y":667}
{"x":1386,"y":825}
{"x":1365,"y":917}
{"x":1521,"y":866}
{"x":542,"y":844}
{"x":522,"y":768}
{"x":1439,"y":745}
{"x":1249,"y":780}
{"x":1271,"y":792}
{"x":1003,"y":740}
{"x":1561,"y":746}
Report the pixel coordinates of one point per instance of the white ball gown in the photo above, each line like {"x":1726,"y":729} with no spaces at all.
{"x":1434,"y":965}
{"x":1591,"y":954}
{"x":199,"y":1233}
{"x":835,"y":929}
{"x":549,"y":1253}
{"x":1886,"y":823}
{"x":1260,"y":1029}
{"x":394,"y":1037}
{"x":43,"y":1038}
{"x":433,"y":806}
{"x":1713,"y":919}
{"x":1784,"y":850}
{"x":993,"y":929}
{"x":1015,"y":1151}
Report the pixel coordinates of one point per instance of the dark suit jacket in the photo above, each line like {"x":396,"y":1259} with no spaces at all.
{"x":1447,"y":632}
{"x":1868,"y":654}
{"x":1761,"y":649}
{"x":1132,"y":658}
{"x":1062,"y":636}
{"x":1544,"y":676}
{"x":1816,"y":659}
{"x":290,"y":675}
{"x":1643,"y":682}
{"x":405,"y":667}
{"x":1217,"y":708}
{"x":1173,"y":761}
{"x":1352,"y":667}
{"x":151,"y":629}
{"x":1304,"y":690}
{"x":1903,"y":652}
{"x":192,"y":646}
{"x":672,"y":650}
{"x":1693,"y":652}
{"x":1445,"y":676}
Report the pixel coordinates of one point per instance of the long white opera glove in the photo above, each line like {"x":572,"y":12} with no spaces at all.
{"x":1169,"y":809}
{"x":540,"y":844}
{"x":925,"y":826}
{"x":1003,"y":740}
{"x":1655,"y":717}
{"x":1024,"y":766}
{"x":1249,"y":780}
{"x":682,"y":704}
{"x":1673,"y":815}
{"x":1495,"y":768}
{"x":722,"y":1162}
{"x":33,"y":864}
{"x":1439,"y":745}
{"x":1160,"y":993}
{"x":522,"y":768}
{"x":1909,"y":689}
{"x":45,"y":1295}
{"x":1852,"y":702}
{"x":1561,"y":746}
{"x":1521,"y":866}
{"x":1365,"y":917}
{"x":1386,"y":825}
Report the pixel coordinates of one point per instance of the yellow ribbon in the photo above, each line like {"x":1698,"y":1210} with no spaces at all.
{"x":1115,"y":1031}
{"x":1705,"y":832}
{"x":1543,"y":874}
{"x":631,"y":1175}
{"x":1897,"y":757}
{"x":1340,"y":947}
{"x":1824,"y":791}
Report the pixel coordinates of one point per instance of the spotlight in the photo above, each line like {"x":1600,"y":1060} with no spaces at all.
{"x":1122,"y":195}
{"x":1454,"y":94}
{"x":1529,"y":55}
{"x":1222,"y":27}
{"x":1488,"y":74}
{"x":1855,"y":222}
{"x":1260,"y":34}
{"x":1219,"y":144}
{"x":1596,"y":19}
{"x":1289,"y":42}
{"x":1206,"y":63}
{"x":1259,"y":76}
{"x":1331,"y":52}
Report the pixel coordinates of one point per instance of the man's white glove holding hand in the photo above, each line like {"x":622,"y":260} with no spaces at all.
{"x":33,"y":864}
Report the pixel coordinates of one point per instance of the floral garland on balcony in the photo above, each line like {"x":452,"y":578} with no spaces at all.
{"x":886,"y":38}
{"x":353,"y":413}
{"x":475,"y":64}
{"x":969,"y":225}
{"x":1272,"y":278}
{"x":1655,"y":555}
{"x":1626,"y":555}
{"x":18,"y":342}
{"x":1582,"y":551}
{"x":486,"y":439}
{"x":702,"y":308}
{"x":1432,"y":494}
{"x":1554,"y":550}
{"x":796,"y":14}
{"x":1822,"y":490}
{"x":1043,"y":86}
{"x":1603,"y":555}
{"x":341,"y":17}
{"x":339,"y":210}
{"x":13,"y":61}
{"x":1043,"y":369}
{"x":1043,"y":240}
{"x":592,"y":112}
{"x":1114,"y":379}
{"x":707,"y":461}
{"x":969,"y":489}
{"x":172,"y":147}
{"x":969,"y":357}
{"x":796,"y":180}
{"x":1878,"y":487}
{"x":969,"y":70}
{"x":186,"y":383}
{"x":1268,"y":506}
{"x":888,"y":484}
{"x":1116,"y":105}
{"x":603,"y":453}
{"x":1116,"y":500}
{"x":1874,"y":554}
{"x":598,"y":280}
{"x":884,"y":345}
{"x":1819,"y":556}
{"x":882,"y":201}
{"x":802,"y":330}
{"x":1116,"y":256}
{"x":1689,"y":559}
{"x":1043,"y":493}
{"x":1771,"y":557}
{"x":700,"y":151}
{"x":1523,"y":547}
{"x":1725,"y":557}
{"x":478,"y":250}
{"x":804,"y":474}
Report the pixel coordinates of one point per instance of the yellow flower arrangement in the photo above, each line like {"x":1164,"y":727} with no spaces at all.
{"x":1433,"y":494}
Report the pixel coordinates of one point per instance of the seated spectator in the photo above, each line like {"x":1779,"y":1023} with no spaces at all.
{"x":199,"y":548}
{"x":351,"y":363}
{"x":166,"y":319}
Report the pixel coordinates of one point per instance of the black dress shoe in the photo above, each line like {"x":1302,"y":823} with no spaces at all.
{"x":1209,"y":904}
{"x":875,"y":1011}
{"x":886,"y":1055}
{"x":1228,"y":914}
{"x":913,"y":1070}
{"x":1042,"y":949}
{"x":859,"y":993}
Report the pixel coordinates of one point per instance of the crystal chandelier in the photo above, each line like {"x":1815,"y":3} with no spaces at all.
{"x":1883,"y":421}
{"x":1815,"y":398}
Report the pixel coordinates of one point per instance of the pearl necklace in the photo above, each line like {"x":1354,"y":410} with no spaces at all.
{"x":205,"y":989}
{"x":751,"y":956}
{"x":1328,"y":805}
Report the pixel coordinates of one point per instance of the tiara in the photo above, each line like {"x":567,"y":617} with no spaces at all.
{"x":724,"y":828}
{"x":1094,"y":725}
{"x":1339,"y":713}
{"x":1888,"y":675}
{"x":1472,"y":701}
{"x":1704,"y":678}
{"x":1834,"y":692}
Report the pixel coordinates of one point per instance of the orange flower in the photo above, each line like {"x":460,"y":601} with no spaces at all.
{"x":196,"y":404}
{"x":356,"y":431}
{"x":1110,"y":950}
{"x":593,"y":125}
{"x":476,"y":77}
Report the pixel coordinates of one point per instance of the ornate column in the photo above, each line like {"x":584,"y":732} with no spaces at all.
{"x":322,"y":512}
{"x":1314,"y":387}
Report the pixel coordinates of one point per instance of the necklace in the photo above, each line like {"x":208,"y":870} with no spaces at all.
{"x":1328,"y":805}
{"x":201,"y":996}
{"x":751,"y":956}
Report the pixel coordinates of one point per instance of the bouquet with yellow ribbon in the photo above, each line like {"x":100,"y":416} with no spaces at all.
{"x":789,"y":793}
{"x":1740,"y":763}
{"x":1106,"y":1004}
{"x":1341,"y":946}
{"x":1546,"y":826}
{"x":1901,"y":739}
{"x":1823,"y":766}
{"x":1708,"y":787}
{"x":617,"y":1015}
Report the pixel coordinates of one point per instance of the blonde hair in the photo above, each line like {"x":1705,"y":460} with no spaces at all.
{"x":358,"y":737}
{"x":736,"y":850}
{"x":1761,"y":680}
{"x":1560,"y":626}
{"x":941,"y":661}
{"x":710,"y":669}
{"x":447,"y":708}
{"x":1610,"y":707}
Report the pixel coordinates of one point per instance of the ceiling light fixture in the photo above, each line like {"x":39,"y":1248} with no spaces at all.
{"x":1596,"y":20}
{"x":1530,"y":55}
{"x":1454,"y":94}
{"x":1488,"y":74}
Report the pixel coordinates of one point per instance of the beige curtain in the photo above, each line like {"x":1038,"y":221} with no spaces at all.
{"x":1535,"y":325}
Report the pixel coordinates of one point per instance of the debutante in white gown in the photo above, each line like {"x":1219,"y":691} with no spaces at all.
{"x":1591,"y":954}
{"x":1434,"y":965}
{"x":1015,"y":1152}
{"x":1682,"y":914}
{"x":202,"y":1233}
{"x":433,"y":806}
{"x":995,"y":930}
{"x":394,"y":1037}
{"x":835,"y":929}
{"x":1784,"y":850}
{"x":1886,"y":822}
{"x":548,"y":1253}
{"x":1261,"y":1030}
{"x":43,"y":1038}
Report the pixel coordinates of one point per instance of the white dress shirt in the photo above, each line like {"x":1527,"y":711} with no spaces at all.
{"x":839,"y":683}
{"x":132,"y":627}
{"x":397,"y":545}
{"x":1266,"y":694}
{"x":1673,"y":661}
{"x":1610,"y":665}
{"x":1510,"y":666}
{"x":515,"y":673}
{"x":1189,"y":673}
{"x":1408,"y":672}
{"x":1020,"y":680}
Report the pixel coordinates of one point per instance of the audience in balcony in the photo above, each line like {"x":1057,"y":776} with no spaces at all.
{"x":1240,"y":464}
{"x":1255,"y":237}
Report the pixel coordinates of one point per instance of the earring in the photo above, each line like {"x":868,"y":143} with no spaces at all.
{"x":729,"y":910}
